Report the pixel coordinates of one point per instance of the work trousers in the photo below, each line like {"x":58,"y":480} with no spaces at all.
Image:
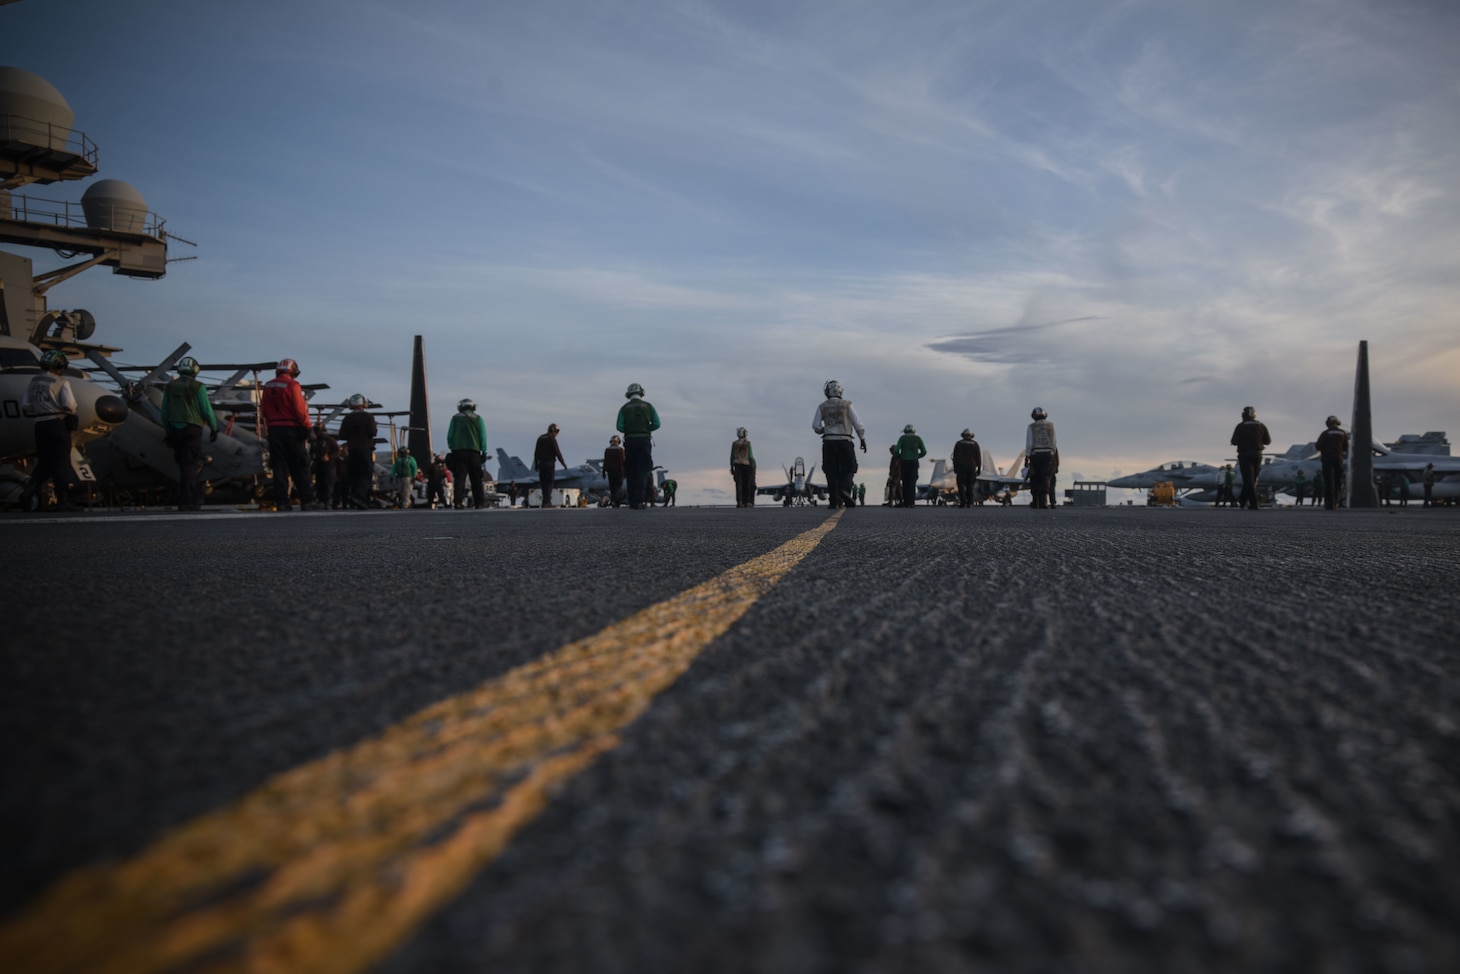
{"x":638,"y":464}
{"x":744,"y":485}
{"x":288,"y":460}
{"x":616,"y":487}
{"x":53,"y":456}
{"x":839,"y":463}
{"x":324,"y":481}
{"x":362,"y":476}
{"x":1251,"y":465}
{"x":1332,"y":482}
{"x":467,"y":466}
{"x":967,"y":484}
{"x":187,"y":450}
{"x":909,"y":482}
{"x":1041,"y":479}
{"x":546,"y":477}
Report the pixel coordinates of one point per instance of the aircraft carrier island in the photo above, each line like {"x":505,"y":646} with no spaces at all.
{"x":722,"y":740}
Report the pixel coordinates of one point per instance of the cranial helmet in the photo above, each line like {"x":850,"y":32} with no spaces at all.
{"x":633,"y":390}
{"x":832,"y":389}
{"x":1038,"y":413}
{"x":187,"y":365}
{"x":909,"y":428}
{"x":358,"y":401}
{"x":466,"y":406}
{"x":1249,"y":412}
{"x":742,"y":432}
{"x":614,"y":441}
{"x":404,"y":451}
{"x":552,"y":427}
{"x":287,"y":365}
{"x":967,"y":434}
{"x":54,"y":361}
{"x":1334,"y":421}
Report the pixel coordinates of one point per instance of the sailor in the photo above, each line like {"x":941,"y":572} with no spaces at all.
{"x":467,"y":438}
{"x":613,"y":468}
{"x":671,"y":487}
{"x":1249,"y":438}
{"x":637,"y":421}
{"x":286,"y":414}
{"x":910,"y":449}
{"x":1333,"y":449}
{"x":861,"y":495}
{"x":1300,"y":488}
{"x":437,"y":477}
{"x":967,"y":465}
{"x":185,"y":411}
{"x":835,"y":421}
{"x":358,"y":430}
{"x":1043,"y":453}
{"x":1429,"y":483}
{"x":545,"y":457}
{"x":324,"y":454}
{"x":893,"y":491}
{"x":742,"y":468}
{"x":403,"y":472}
{"x":50,"y":400}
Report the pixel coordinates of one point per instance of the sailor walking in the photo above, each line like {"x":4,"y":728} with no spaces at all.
{"x":1042,"y":450}
{"x":835,"y":421}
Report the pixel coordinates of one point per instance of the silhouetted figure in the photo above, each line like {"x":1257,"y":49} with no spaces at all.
{"x":1249,"y":438}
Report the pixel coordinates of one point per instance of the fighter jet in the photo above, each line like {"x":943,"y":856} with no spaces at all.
{"x":1179,"y":473}
{"x":797,"y":488}
{"x":587,"y":476}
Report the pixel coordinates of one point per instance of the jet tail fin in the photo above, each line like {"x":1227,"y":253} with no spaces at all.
{"x":510,"y":468}
{"x":940,"y":467}
{"x":1016,"y":466}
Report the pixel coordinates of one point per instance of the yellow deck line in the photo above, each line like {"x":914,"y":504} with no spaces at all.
{"x":328,"y":867}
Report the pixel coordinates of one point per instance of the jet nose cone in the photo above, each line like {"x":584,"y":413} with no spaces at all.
{"x":111,"y":410}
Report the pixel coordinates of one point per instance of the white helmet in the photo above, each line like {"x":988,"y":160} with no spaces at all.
{"x":1038,"y":413}
{"x":742,"y":432}
{"x":832,"y":389}
{"x":358,"y":401}
{"x":967,"y":434}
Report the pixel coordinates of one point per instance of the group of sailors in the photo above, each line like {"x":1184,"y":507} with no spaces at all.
{"x":343,"y":473}
{"x":842,"y":431}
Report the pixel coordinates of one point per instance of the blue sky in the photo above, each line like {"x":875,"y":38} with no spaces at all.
{"x":1141,"y":216}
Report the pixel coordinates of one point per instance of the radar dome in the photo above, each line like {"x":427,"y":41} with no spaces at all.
{"x":111,"y":204}
{"x":32,"y":112}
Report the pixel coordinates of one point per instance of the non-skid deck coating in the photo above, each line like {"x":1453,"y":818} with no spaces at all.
{"x":944,"y":740}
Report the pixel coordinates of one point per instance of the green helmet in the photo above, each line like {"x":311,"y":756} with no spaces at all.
{"x":634,"y":390}
{"x":187,"y":365}
{"x":54,"y":361}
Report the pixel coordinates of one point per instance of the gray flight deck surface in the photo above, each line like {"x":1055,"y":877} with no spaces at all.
{"x":1000,"y":739}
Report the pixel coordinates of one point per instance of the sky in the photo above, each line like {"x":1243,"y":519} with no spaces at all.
{"x":1141,"y":216}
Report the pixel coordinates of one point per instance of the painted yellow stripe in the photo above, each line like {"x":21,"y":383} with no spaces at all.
{"x":329,"y":866}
